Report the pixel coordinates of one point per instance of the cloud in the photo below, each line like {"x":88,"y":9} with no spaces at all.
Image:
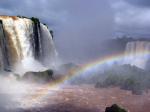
{"x":131,"y":19}
{"x":43,"y":9}
{"x":88,"y":23}
{"x":141,"y":3}
{"x":80,"y":25}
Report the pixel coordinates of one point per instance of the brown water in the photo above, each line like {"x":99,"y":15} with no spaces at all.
{"x":86,"y":98}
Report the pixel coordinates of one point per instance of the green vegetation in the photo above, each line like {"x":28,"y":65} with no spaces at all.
{"x":35,"y":20}
{"x":114,"y":108}
{"x":45,"y":25}
{"x":133,"y":85}
{"x":21,"y":16}
{"x":126,"y":77}
{"x":125,"y":39}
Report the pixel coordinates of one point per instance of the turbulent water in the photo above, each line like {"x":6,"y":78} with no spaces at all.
{"x":138,"y":53}
{"x":25,"y":43}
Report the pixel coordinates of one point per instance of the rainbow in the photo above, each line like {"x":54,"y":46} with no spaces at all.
{"x":86,"y":69}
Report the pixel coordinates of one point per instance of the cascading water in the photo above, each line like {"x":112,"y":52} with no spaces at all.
{"x":4,"y":48}
{"x":48,"y":50}
{"x":36,"y":40}
{"x":138,"y":53}
{"x":25,"y":43}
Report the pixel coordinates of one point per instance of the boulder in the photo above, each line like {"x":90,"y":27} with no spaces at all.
{"x":41,"y":76}
{"x":114,"y":108}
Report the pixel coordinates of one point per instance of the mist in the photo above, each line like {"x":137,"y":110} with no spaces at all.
{"x":11,"y":93}
{"x":73,"y":55}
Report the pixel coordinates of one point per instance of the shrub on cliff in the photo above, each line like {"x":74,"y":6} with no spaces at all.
{"x":124,"y":83}
{"x":133,"y":85}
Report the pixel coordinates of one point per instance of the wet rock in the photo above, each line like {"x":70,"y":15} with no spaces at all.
{"x":114,"y":108}
{"x":42,"y":76}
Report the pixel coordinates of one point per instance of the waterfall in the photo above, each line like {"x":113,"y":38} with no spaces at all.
{"x":4,"y":49}
{"x":49,"y":52}
{"x":37,"y":39}
{"x":137,"y":53}
{"x":25,"y":42}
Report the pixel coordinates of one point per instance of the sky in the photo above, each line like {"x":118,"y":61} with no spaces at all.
{"x":80,"y":26}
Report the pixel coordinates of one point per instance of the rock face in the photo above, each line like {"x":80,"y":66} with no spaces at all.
{"x":23,"y":40}
{"x":138,"y":53}
{"x":43,"y":76}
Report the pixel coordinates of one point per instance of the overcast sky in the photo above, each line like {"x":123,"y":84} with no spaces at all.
{"x":81,"y":25}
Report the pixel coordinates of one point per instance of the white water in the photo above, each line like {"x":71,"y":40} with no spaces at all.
{"x":50,"y":53}
{"x":138,"y":53}
{"x":19,"y":34}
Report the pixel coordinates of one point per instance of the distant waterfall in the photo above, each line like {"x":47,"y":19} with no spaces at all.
{"x":138,"y":53}
{"x":24,"y":40}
